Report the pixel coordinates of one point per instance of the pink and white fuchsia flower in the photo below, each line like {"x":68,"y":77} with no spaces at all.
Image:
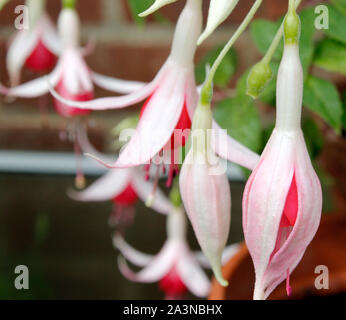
{"x":205,"y":189}
{"x":169,"y":109}
{"x":121,"y":186}
{"x":72,"y":78}
{"x":282,"y":200}
{"x":176,"y":267}
{"x":35,"y":48}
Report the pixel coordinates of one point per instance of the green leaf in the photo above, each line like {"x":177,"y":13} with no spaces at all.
{"x":322,"y":97}
{"x":306,"y":43}
{"x":225,"y":71}
{"x":331,"y":56}
{"x":337,"y":25}
{"x":263,"y":33}
{"x":340,"y":5}
{"x":241,"y":119}
{"x":313,"y":137}
{"x":138,"y":6}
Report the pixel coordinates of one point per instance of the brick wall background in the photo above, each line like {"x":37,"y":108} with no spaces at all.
{"x":123,"y":50}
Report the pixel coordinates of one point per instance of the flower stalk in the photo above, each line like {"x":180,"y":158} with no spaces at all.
{"x":208,"y":83}
{"x":69,"y":4}
{"x":261,"y":72}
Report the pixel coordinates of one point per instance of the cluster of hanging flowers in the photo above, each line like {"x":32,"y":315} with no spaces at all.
{"x":282,"y":199}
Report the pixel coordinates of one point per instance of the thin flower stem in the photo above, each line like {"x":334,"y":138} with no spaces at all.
{"x":276,"y":41}
{"x":2,"y":3}
{"x":174,"y":195}
{"x":208,"y":83}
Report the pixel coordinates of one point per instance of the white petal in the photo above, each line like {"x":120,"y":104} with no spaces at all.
{"x":85,"y":144}
{"x":192,"y":274}
{"x":192,"y":95}
{"x":207,"y":200}
{"x":106,"y":188}
{"x":144,"y":188}
{"x":227,"y":254}
{"x":134,"y":256}
{"x":50,"y":36}
{"x":76,"y":75}
{"x":230,"y":252}
{"x":230,"y":149}
{"x":156,"y":6}
{"x":19,"y":50}
{"x":116,"y":85}
{"x":219,"y":10}
{"x":115,"y":102}
{"x":156,"y":269}
{"x":34,"y":88}
{"x":158,"y":121}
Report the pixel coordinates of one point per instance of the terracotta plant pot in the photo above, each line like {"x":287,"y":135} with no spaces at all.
{"x":327,"y":248}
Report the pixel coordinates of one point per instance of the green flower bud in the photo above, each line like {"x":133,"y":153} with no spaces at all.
{"x":292,"y":26}
{"x":258,"y":78}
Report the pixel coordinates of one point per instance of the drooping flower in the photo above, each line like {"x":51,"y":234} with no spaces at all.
{"x":35,"y":48}
{"x":169,"y":109}
{"x":205,"y":190}
{"x":175,"y":267}
{"x":121,"y":186}
{"x":282,"y":200}
{"x":72,"y":78}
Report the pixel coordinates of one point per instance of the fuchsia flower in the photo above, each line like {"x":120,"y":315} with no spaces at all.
{"x":72,"y":78}
{"x":176,"y":268}
{"x":205,"y":189}
{"x":169,"y":109}
{"x":36,"y":47}
{"x":282,"y":199}
{"x":121,"y":186}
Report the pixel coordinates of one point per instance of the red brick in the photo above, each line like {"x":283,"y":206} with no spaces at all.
{"x":136,"y":63}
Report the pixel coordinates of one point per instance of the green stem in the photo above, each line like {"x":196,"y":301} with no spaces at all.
{"x":174,"y":195}
{"x":279,"y":34}
{"x":208,"y":83}
{"x":2,"y":3}
{"x":69,"y":4}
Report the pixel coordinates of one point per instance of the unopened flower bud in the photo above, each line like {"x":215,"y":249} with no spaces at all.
{"x":258,"y":78}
